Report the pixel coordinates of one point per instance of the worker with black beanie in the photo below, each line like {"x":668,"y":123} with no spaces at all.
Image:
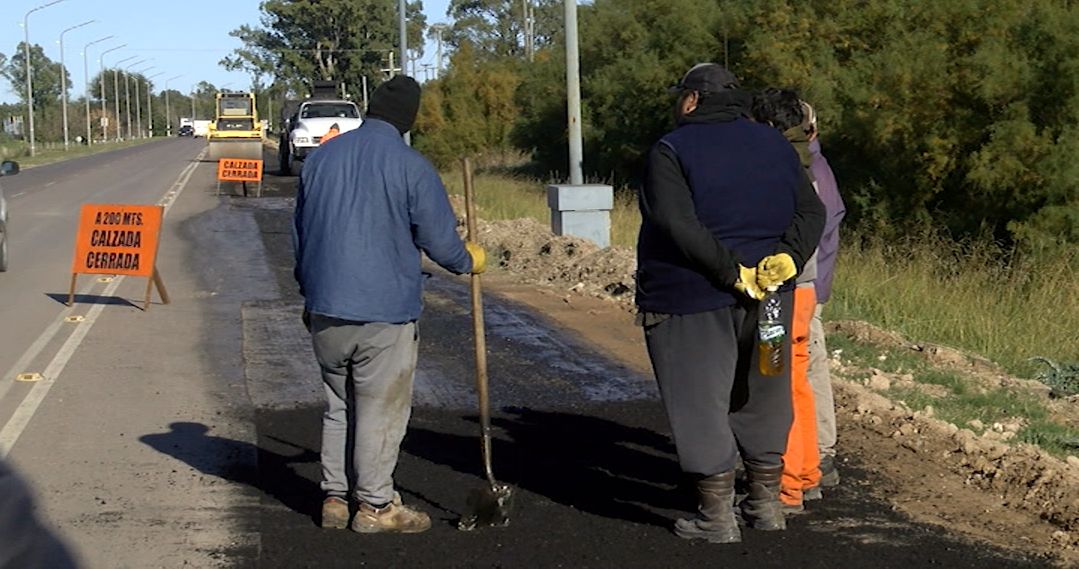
{"x":367,"y":207}
{"x":396,"y":101}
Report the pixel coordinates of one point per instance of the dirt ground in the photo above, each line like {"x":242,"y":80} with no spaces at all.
{"x":972,"y":478}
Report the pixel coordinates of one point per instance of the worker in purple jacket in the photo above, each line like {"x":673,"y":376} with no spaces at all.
{"x":819,"y":378}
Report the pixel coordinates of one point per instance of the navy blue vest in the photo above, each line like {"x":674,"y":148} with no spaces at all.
{"x":744,"y":177}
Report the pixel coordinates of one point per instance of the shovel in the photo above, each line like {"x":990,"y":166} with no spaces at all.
{"x":489,"y":505}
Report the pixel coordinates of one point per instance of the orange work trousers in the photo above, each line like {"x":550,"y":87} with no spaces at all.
{"x":801,"y":462}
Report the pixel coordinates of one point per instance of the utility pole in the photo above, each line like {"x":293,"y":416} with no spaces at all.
{"x":404,"y":51}
{"x":86,"y":80}
{"x":573,"y":95}
{"x":364,"y":78}
{"x":29,"y":72}
{"x":104,"y":113}
{"x":63,"y":77}
{"x":439,"y":29}
{"x":168,"y":107}
{"x":193,"y":116}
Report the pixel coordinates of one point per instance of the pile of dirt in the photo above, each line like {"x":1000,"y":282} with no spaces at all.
{"x":528,"y":249}
{"x":973,"y":478}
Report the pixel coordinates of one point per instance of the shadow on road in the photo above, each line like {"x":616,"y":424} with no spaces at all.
{"x":234,"y":461}
{"x":590,"y":463}
{"x":62,"y":297}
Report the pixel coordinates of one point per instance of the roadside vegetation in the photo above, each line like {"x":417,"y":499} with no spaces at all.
{"x":50,"y":152}
{"x":974,"y":294}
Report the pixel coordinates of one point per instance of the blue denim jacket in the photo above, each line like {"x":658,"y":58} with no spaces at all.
{"x":366,"y":206}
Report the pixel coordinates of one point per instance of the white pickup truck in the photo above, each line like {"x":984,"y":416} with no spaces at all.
{"x":313,"y":119}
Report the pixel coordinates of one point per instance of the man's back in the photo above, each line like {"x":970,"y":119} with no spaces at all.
{"x":365,"y":206}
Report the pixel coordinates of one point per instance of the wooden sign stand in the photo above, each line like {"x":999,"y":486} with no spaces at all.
{"x":153,"y":280}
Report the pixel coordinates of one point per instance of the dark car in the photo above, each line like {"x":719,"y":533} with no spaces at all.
{"x":187,"y":130}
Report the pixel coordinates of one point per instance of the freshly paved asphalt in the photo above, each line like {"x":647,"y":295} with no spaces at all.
{"x":188,"y":435}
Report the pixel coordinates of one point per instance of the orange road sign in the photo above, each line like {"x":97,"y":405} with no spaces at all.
{"x":239,"y":170}
{"x":118,"y":239}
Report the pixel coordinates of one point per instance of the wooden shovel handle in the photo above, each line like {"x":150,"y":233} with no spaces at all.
{"x":478,"y":327}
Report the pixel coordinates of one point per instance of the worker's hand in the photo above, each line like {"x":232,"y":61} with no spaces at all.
{"x":479,"y":257}
{"x":747,"y":283}
{"x":774,"y":270}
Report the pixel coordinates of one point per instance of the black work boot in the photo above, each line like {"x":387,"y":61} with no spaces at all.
{"x":762,"y":509}
{"x":715,"y":520}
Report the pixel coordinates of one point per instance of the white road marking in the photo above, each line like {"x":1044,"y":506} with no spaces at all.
{"x":15,"y":426}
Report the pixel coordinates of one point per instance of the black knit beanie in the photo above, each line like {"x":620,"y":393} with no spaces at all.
{"x":396,"y":101}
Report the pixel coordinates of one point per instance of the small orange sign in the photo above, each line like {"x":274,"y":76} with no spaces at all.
{"x":117,"y":240}
{"x":239,"y":170}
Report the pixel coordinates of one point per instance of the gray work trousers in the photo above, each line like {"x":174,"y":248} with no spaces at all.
{"x":368,"y":370}
{"x":820,"y":380}
{"x":717,"y":402}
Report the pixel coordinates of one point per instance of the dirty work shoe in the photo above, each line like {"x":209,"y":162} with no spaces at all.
{"x":813,"y":493}
{"x":334,"y":513}
{"x":829,"y":476}
{"x":762,"y":510}
{"x":391,"y":518}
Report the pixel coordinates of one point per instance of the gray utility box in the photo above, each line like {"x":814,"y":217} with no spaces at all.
{"x":582,"y":211}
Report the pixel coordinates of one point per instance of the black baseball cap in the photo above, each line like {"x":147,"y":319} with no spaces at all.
{"x":707,"y":77}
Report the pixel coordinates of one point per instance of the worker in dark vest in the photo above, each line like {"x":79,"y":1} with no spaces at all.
{"x":727,"y":211}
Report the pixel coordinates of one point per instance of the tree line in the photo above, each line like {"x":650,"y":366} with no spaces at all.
{"x":957,"y":116}
{"x":48,"y":99}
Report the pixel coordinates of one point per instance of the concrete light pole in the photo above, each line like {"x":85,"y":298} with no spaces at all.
{"x":104,"y":113}
{"x":116,"y":92}
{"x":138,"y":111}
{"x":149,"y":104}
{"x":168,"y":107}
{"x":86,"y":80}
{"x":29,"y":73}
{"x":439,"y":29}
{"x":63,"y":77}
{"x":127,"y":94}
{"x":573,"y":95}
{"x":404,"y":50}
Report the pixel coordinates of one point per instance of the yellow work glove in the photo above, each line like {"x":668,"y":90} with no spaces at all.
{"x":747,"y":283}
{"x":479,"y":257}
{"x":774,"y":270}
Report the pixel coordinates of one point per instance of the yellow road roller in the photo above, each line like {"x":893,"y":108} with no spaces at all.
{"x":236,"y":132}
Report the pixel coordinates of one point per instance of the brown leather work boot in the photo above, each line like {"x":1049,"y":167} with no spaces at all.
{"x":715,"y":520}
{"x":391,"y":518}
{"x":762,"y":509}
{"x":334,"y":513}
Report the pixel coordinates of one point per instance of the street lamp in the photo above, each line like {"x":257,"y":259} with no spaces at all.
{"x":104,"y":113}
{"x":150,"y":104}
{"x":168,"y":107}
{"x":127,"y":93}
{"x":86,"y":80}
{"x":63,"y":76}
{"x":138,"y":111}
{"x":29,"y":73}
{"x":116,"y":92}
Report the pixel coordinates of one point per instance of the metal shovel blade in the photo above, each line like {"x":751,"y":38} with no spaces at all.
{"x":488,"y":506}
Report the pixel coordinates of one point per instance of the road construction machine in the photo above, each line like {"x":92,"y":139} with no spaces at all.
{"x":236,"y":131}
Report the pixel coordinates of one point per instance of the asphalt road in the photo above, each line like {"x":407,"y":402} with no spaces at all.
{"x":188,"y":435}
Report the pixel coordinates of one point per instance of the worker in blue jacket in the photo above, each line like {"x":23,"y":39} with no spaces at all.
{"x":367,"y":206}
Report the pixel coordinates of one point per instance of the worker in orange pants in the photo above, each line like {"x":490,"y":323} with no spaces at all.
{"x":801,"y":462}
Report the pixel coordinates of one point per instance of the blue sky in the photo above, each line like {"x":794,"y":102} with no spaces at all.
{"x":185,"y":38}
